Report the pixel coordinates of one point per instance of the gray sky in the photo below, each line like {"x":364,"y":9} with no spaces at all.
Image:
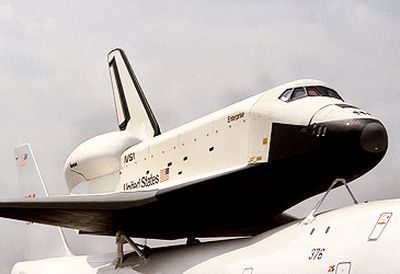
{"x":191,"y":58}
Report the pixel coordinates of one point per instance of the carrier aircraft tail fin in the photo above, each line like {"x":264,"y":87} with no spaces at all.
{"x":133,"y":110}
{"x":31,"y":186}
{"x":30,"y":181}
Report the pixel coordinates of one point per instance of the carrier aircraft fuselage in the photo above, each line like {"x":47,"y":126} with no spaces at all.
{"x":357,"y":239}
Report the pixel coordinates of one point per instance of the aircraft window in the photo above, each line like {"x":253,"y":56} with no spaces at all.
{"x":312,"y":91}
{"x":298,"y":93}
{"x":286,"y":95}
{"x":334,"y":94}
{"x":301,"y":92}
{"x":324,"y":91}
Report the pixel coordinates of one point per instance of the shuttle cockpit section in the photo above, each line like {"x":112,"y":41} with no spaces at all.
{"x":296,"y":93}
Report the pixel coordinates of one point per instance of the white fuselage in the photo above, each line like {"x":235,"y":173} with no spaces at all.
{"x":354,"y":239}
{"x":225,"y":140}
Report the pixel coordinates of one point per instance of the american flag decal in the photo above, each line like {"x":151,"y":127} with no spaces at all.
{"x":30,"y":196}
{"x":23,"y":159}
{"x":164,"y":174}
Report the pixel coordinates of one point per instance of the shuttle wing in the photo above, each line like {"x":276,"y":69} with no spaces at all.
{"x":91,"y":213}
{"x":207,"y":207}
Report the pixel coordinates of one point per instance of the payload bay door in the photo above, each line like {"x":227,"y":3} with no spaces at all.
{"x":343,"y":268}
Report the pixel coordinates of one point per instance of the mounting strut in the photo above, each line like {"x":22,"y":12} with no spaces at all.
{"x":311,"y":216}
{"x":122,"y":239}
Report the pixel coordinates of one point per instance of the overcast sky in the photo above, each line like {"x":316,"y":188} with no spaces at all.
{"x":191,"y":58}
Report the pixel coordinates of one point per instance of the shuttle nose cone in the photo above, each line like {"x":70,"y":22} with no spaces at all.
{"x":374,"y":138}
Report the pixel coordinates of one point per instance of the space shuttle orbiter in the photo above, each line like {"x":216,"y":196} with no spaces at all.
{"x":230,"y":173}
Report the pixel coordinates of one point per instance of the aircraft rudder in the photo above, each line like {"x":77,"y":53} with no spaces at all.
{"x":133,"y":110}
{"x":31,"y":186}
{"x":29,"y":178}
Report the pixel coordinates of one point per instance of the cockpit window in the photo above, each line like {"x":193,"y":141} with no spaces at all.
{"x":286,"y":95}
{"x":312,"y":91}
{"x":334,"y":94}
{"x":301,"y":92}
{"x":324,"y":91}
{"x":298,"y":93}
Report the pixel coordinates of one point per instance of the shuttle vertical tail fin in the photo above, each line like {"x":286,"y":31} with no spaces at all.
{"x":133,"y":110}
{"x":31,"y":185}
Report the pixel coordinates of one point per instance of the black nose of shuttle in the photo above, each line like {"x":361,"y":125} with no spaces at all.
{"x":374,"y":137}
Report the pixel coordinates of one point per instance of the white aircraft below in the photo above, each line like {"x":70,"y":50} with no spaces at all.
{"x":362,"y":238}
{"x":231,"y":173}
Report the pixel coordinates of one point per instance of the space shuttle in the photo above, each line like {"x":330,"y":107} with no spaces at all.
{"x":233,"y":172}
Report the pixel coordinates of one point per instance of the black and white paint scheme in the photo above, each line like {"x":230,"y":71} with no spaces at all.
{"x":192,"y":60}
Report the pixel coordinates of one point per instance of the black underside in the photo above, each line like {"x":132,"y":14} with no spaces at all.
{"x":302,"y":163}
